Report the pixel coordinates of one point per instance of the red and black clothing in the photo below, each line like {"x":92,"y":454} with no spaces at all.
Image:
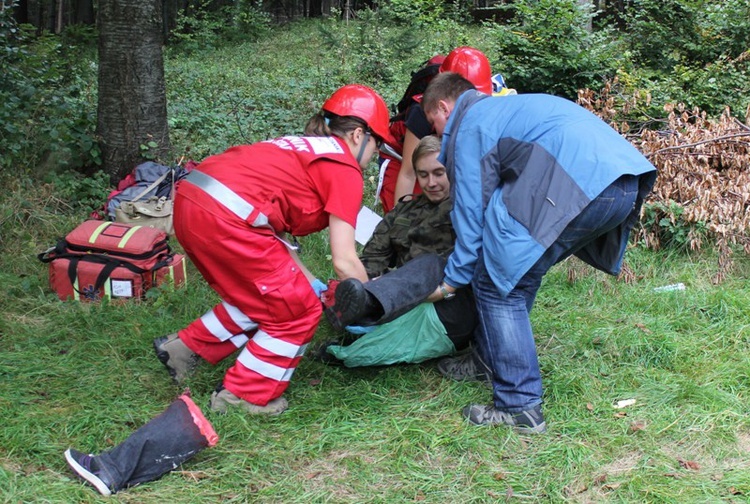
{"x":416,"y":122}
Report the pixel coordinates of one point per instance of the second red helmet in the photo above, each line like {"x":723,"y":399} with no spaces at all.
{"x":472,"y":65}
{"x":360,"y":101}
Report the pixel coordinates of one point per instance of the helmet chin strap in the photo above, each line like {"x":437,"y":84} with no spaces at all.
{"x":362,"y":149}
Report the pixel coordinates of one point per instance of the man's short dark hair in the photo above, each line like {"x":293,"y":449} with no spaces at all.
{"x":444,"y":86}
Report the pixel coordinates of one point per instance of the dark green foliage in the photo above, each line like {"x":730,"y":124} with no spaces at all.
{"x":665,"y":33}
{"x":546,"y":48}
{"x":671,"y":229}
{"x":47,"y":119}
{"x":82,"y":193}
{"x":692,"y":52}
{"x":204,"y":27}
{"x":373,"y":48}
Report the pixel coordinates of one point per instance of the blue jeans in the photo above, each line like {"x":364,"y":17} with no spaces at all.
{"x":504,"y":335}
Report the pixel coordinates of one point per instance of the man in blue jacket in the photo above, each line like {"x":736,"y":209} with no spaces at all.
{"x":534,"y":179}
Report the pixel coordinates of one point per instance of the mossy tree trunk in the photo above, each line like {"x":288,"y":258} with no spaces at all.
{"x":132,"y":111}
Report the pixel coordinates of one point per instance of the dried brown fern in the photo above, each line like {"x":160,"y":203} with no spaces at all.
{"x":704,"y":171}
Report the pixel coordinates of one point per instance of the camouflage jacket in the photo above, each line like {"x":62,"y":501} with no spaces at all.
{"x":413,"y":227}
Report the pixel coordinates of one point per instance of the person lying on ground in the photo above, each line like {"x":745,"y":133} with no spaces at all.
{"x":405,"y":258}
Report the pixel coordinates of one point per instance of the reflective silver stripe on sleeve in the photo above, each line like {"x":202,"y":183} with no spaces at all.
{"x":227,"y":197}
{"x":264,"y":368}
{"x":277,"y":346}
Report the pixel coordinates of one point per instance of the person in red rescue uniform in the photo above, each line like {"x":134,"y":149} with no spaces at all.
{"x":473,"y":65}
{"x":232,"y":214}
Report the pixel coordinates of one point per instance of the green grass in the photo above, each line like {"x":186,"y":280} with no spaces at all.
{"x":85,"y":375}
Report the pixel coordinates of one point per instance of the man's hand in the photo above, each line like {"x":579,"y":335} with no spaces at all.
{"x":443,"y":292}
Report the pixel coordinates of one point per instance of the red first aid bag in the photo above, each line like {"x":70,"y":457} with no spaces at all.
{"x":113,"y":260}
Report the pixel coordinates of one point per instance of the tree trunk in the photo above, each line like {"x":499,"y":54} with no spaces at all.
{"x":132,"y":97}
{"x":22,"y":12}
{"x":60,"y":10}
{"x":84,"y":12}
{"x":588,"y":6}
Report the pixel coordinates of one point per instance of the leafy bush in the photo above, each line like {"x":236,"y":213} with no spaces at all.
{"x":84,"y":193}
{"x":663,"y":32}
{"x":47,"y":117}
{"x":371,"y":48}
{"x":665,"y":225}
{"x":205,"y":27}
{"x":666,"y":33}
{"x":416,"y":12}
{"x":692,"y":52}
{"x":712,"y":87}
{"x":547,"y":48}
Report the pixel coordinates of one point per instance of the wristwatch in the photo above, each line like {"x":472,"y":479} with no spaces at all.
{"x":446,"y":295}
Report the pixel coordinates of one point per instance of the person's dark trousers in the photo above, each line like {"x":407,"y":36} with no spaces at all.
{"x":400,"y":290}
{"x":459,"y":316}
{"x":157,"y":447}
{"x":504,"y":336}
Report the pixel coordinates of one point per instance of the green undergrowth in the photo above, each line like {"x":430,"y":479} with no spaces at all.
{"x":85,"y":375}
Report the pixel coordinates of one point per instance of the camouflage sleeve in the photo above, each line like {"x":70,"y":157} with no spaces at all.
{"x":378,"y":254}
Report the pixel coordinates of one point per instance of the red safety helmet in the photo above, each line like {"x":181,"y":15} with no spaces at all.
{"x":360,"y":101}
{"x":472,"y":65}
{"x":436,"y":60}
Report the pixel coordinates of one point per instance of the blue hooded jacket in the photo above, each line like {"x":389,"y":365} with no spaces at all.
{"x":521,"y":168}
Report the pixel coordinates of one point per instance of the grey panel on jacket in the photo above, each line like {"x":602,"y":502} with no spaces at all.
{"x":537,"y":191}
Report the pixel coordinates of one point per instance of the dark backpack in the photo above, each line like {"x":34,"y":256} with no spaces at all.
{"x":417,"y":85}
{"x":390,"y":155}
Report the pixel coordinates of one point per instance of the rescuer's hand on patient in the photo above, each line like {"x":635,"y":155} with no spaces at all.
{"x":318,"y":286}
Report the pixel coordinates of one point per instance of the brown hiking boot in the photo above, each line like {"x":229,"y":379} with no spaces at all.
{"x":179,"y":360}
{"x":222,"y":399}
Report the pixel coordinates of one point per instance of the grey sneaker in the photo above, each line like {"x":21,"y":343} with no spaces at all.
{"x":87,"y":468}
{"x":526,"y":422}
{"x":222,"y":399}
{"x":466,"y":367}
{"x":179,"y":360}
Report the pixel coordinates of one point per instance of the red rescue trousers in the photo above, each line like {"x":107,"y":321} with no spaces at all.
{"x":268,"y":305}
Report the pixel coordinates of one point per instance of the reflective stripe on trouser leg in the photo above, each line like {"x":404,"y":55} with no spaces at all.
{"x":267,"y":363}
{"x":253,"y":271}
{"x":218,"y":333}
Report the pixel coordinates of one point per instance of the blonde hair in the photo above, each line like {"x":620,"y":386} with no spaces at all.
{"x":428,"y":145}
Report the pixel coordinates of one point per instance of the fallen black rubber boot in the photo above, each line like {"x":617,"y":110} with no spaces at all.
{"x":153,"y":450}
{"x":354,"y":305}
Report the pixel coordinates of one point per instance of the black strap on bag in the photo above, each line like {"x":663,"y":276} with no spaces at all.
{"x":109,"y":267}
{"x":59,"y":251}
